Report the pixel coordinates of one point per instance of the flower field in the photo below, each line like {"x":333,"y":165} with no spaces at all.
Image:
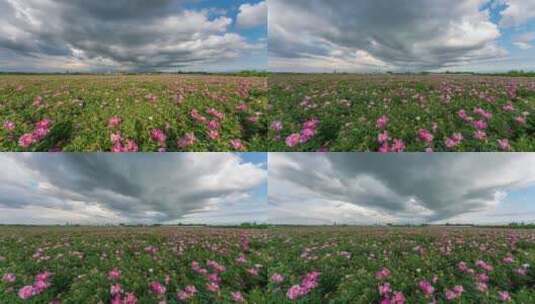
{"x":132,"y":113}
{"x":277,"y":265}
{"x":397,"y":113}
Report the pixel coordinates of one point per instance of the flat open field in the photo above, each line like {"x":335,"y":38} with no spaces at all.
{"x":394,"y":113}
{"x":132,"y":113}
{"x":279,"y":265}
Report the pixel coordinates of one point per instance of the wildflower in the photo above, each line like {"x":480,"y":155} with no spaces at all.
{"x":115,"y":290}
{"x":504,"y":296}
{"x":130,"y":298}
{"x":480,"y":135}
{"x":237,"y":144}
{"x":398,"y":298}
{"x":213,"y":287}
{"x":277,"y":278}
{"x":158,"y":135}
{"x":276,"y":126}
{"x":157,"y":288}
{"x":213,"y":134}
{"x":382,"y":122}
{"x":114,"y":274}
{"x":292,"y":140}
{"x":114,"y":122}
{"x":382,"y":274}
{"x":9,"y":125}
{"x":454,"y":140}
{"x":398,"y":146}
{"x":426,"y":287}
{"x":294,"y":292}
{"x":26,"y":292}
{"x":384,"y":289}
{"x":425,"y":135}
{"x":26,"y":140}
{"x":237,"y":297}
{"x":187,"y":140}
{"x":383,"y":137}
{"x":479,"y":124}
{"x":521,"y":120}
{"x":9,"y":277}
{"x":214,"y":125}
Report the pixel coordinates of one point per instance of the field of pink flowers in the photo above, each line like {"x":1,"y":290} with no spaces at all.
{"x":397,"y":113}
{"x":276,"y":265}
{"x":132,"y":113}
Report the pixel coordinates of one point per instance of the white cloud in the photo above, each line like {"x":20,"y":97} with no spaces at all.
{"x":141,"y":188}
{"x":367,"y":188}
{"x":252,"y":15}
{"x":361,"y":35}
{"x":517,"y":12}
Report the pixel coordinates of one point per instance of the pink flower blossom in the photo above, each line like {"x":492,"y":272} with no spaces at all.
{"x":383,"y":137}
{"x":115,"y":290}
{"x":454,"y":140}
{"x":9,"y":125}
{"x":157,"y":288}
{"x":237,"y":144}
{"x":114,"y":274}
{"x":425,"y":136}
{"x":26,"y":140}
{"x":276,"y":126}
{"x":521,"y":120}
{"x":237,"y":297}
{"x":480,"y":124}
{"x":382,"y":274}
{"x":398,"y":146}
{"x":9,"y":277}
{"x":292,"y":140}
{"x":158,"y":135}
{"x":212,"y":287}
{"x":426,"y":287}
{"x":26,"y":292}
{"x":480,"y":135}
{"x":504,"y":296}
{"x":187,"y":140}
{"x":130,"y":298}
{"x":382,"y":122}
{"x":384,"y":289}
{"x":277,"y":278}
{"x":114,"y":122}
{"x":213,"y":134}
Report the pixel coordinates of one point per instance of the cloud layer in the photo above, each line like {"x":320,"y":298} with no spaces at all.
{"x":124,"y":35}
{"x":408,"y":35}
{"x":367,"y":188}
{"x":141,"y":188}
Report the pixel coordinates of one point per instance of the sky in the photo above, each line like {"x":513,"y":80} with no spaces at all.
{"x":401,"y":36}
{"x":132,"y":35}
{"x":406,"y":188}
{"x":141,"y":188}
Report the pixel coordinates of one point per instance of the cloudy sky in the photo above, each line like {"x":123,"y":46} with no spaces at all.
{"x":402,"y":35}
{"x":371,"y":188}
{"x":133,"y":35}
{"x":100,"y":188}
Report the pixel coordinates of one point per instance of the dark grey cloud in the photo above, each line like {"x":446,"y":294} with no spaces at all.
{"x":379,"y":34}
{"x":129,"y":187}
{"x":394,"y":187}
{"x":125,"y":35}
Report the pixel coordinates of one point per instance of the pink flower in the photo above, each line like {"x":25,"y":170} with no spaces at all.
{"x":237,"y":144}
{"x":26,"y":140}
{"x":481,"y":264}
{"x":277,"y":278}
{"x":9,"y":125}
{"x":398,"y":146}
{"x":450,"y":295}
{"x":9,"y":277}
{"x":187,"y":140}
{"x":115,"y":290}
{"x":214,"y":125}
{"x":521,"y":120}
{"x":294,"y":292}
{"x":131,"y":146}
{"x":292,"y":140}
{"x":384,"y":289}
{"x":480,"y":124}
{"x":157,"y":288}
{"x":425,"y":136}
{"x":481,"y":112}
{"x":426,"y":287}
{"x":398,"y":298}
{"x":213,"y":134}
{"x":504,"y":296}
{"x":382,"y":122}
{"x":43,"y":124}
{"x":306,"y":135}
{"x":158,"y":135}
{"x":213,"y":287}
{"x":215,"y":113}
{"x":37,"y":101}
{"x":454,"y":140}
{"x":383,"y":137}
{"x":504,"y":144}
{"x":382,"y":274}
{"x":130,"y":298}
{"x":508,"y":259}
{"x":114,"y":274}
{"x":187,"y":293}
{"x":508,"y":107}
{"x":384,"y":148}
{"x":237,"y":297}
{"x":26,"y":292}
{"x":480,"y":135}
{"x":276,"y":126}
{"x":311,"y":124}
{"x":462,"y":266}
{"x":114,"y":121}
